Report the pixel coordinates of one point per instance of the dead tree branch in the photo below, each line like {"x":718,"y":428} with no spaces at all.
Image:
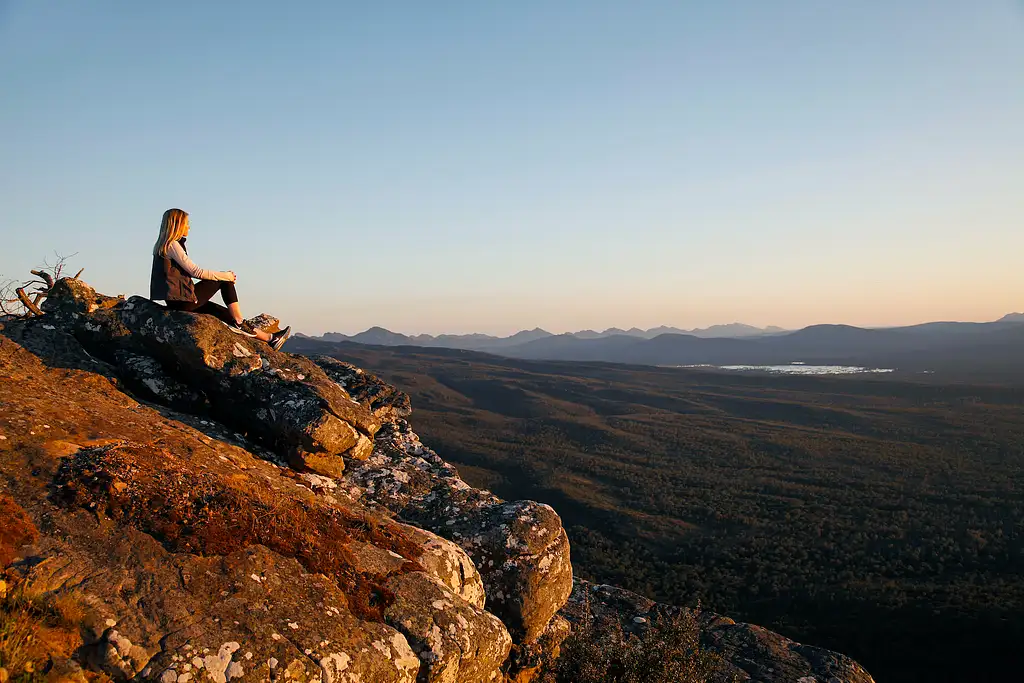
{"x":58,"y":268}
{"x":22,"y":300}
{"x":47,"y":278}
{"x":26,"y":302}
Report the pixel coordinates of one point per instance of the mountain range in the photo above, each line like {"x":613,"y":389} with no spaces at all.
{"x":378,"y":336}
{"x":976,"y":350}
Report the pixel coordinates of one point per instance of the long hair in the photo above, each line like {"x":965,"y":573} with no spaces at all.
{"x":172,"y":229}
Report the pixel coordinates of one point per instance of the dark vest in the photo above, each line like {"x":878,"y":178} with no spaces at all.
{"x":169,"y":281}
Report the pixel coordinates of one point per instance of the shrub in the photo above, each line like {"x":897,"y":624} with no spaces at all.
{"x":34,"y":628}
{"x":669,"y":651}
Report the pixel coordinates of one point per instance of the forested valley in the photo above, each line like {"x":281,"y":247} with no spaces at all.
{"x":880,"y":518}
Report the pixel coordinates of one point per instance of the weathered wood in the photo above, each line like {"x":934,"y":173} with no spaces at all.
{"x":45,"y":276}
{"x":26,"y":302}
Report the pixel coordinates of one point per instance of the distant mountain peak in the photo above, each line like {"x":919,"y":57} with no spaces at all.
{"x":381,"y":336}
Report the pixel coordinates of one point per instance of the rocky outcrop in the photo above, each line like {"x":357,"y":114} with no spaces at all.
{"x":195,"y":558}
{"x":520,"y":548}
{"x":319,"y":414}
{"x":386,"y":402}
{"x":265,"y":323}
{"x":456,"y":573}
{"x":195,"y":363}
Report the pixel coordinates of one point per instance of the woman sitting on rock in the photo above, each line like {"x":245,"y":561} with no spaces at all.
{"x":171,"y":282}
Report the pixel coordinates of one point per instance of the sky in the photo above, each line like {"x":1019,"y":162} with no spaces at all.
{"x":494,"y":166}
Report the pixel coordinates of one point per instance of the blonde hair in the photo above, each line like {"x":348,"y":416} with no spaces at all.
{"x":172,"y":229}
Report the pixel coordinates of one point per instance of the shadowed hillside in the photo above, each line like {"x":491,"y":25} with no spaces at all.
{"x":877,"y":517}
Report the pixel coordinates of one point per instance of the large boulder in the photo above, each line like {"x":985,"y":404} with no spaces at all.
{"x":146,"y":378}
{"x":387,"y":403}
{"x":70,"y":298}
{"x":189,"y":361}
{"x":249,"y":615}
{"x":441,"y":615}
{"x":55,"y":345}
{"x":455,"y":640}
{"x":449,"y":564}
{"x":519,"y":548}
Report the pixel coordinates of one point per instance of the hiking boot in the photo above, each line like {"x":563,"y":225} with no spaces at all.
{"x":242,"y":328}
{"x":278,"y":339}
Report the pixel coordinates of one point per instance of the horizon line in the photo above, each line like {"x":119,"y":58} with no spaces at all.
{"x":773,"y":328}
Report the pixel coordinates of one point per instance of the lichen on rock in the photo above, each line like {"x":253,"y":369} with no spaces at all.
{"x":519,"y":548}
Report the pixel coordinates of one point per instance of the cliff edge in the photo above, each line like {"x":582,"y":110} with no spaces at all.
{"x":181,"y":503}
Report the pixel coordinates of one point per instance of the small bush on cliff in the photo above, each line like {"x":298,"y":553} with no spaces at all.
{"x":669,"y":651}
{"x":35,"y":629}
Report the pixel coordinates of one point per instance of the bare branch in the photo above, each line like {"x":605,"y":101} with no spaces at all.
{"x":21,"y":300}
{"x":45,"y":276}
{"x":7,"y":297}
{"x":58,"y":268}
{"x":78,"y":273}
{"x":26,"y":302}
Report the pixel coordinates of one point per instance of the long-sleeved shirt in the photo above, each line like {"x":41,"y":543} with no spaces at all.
{"x":177,"y":253}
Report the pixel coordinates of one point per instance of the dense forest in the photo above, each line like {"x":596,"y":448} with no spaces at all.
{"x":880,"y":518}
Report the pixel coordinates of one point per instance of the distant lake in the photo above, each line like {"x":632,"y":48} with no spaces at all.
{"x":798,"y":369}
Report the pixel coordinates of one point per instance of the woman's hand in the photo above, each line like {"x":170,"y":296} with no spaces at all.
{"x":231,"y":276}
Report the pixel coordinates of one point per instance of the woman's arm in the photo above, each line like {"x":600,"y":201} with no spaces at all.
{"x":178,"y":255}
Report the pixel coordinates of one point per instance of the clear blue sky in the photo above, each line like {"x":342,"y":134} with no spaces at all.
{"x":490,"y":166}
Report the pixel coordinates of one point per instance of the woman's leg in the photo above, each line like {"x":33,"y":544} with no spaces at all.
{"x":232,"y":315}
{"x":217,"y":311}
{"x":230,"y":296}
{"x":221,"y":313}
{"x":186,"y":306}
{"x":234,"y":310}
{"x":204,"y":290}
